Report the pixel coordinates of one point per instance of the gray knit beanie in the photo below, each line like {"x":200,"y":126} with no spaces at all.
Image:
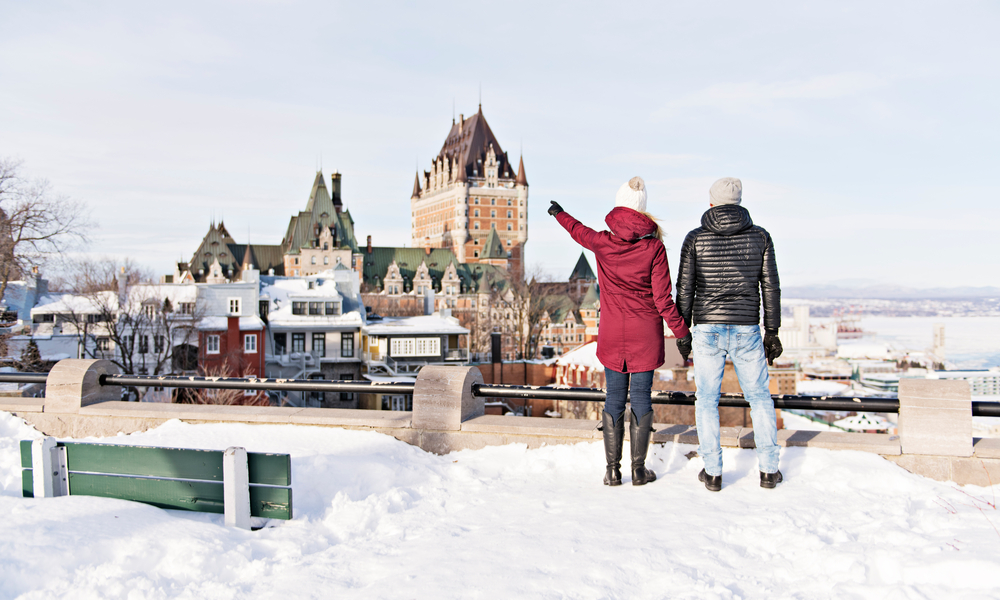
{"x":727,"y":190}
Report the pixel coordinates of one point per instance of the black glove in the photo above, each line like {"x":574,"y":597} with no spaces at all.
{"x":684,"y":347}
{"x":772,"y":347}
{"x":555,"y":209}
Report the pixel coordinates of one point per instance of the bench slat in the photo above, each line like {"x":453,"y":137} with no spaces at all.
{"x":269,"y":469}
{"x":179,"y":463}
{"x":112,"y":459}
{"x":25,"y":454}
{"x":200,"y":496}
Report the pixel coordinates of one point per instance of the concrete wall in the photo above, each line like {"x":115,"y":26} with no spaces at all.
{"x":935,"y":438}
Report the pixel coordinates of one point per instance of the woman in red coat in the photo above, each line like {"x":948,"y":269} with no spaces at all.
{"x":635,"y":285}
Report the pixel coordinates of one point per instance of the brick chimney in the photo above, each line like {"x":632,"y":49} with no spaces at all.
{"x":369,"y":244}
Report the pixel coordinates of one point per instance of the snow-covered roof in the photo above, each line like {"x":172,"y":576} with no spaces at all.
{"x":251,"y":323}
{"x":429,"y":324}
{"x":584,"y":356}
{"x":818,"y":387}
{"x":328,"y":286}
{"x":75,"y":303}
{"x":65,"y":303}
{"x":864,"y":422}
{"x":388,"y":379}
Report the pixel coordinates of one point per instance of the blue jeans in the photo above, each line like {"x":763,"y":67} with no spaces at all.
{"x":618,"y":385}
{"x":743,"y":345}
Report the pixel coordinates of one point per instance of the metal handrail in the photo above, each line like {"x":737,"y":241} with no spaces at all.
{"x":253,"y":383}
{"x":676,"y":398}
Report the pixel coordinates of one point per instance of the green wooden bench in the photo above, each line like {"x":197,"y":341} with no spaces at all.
{"x":233,"y":482}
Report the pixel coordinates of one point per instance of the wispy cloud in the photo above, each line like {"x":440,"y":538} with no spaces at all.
{"x":749,"y":96}
{"x":655,"y":159}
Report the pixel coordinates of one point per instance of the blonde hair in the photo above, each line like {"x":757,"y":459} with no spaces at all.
{"x":656,"y":221}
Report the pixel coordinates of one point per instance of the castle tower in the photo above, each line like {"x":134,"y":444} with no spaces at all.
{"x":471,"y":190}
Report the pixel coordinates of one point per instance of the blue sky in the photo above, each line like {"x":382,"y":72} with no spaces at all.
{"x":864,"y":132}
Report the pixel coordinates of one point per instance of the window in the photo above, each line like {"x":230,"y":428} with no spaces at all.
{"x":280,"y":343}
{"x":333,"y":308}
{"x":296,"y":261}
{"x":313,"y":260}
{"x":96,"y":318}
{"x":187,"y":308}
{"x":298,"y":342}
{"x":415,"y":346}
{"x":234,"y":306}
{"x":510,"y":214}
{"x":493,"y":201}
{"x":250,"y":343}
{"x":326,"y":260}
{"x":265,"y":307}
{"x":158,"y":344}
{"x":509,"y":228}
{"x":346,"y":396}
{"x":475,"y":254}
{"x":149,"y":310}
{"x":315,"y":308}
{"x":347,"y":345}
{"x":476,"y":212}
{"x":493,"y":214}
{"x":143,"y":344}
{"x":508,"y":203}
{"x":475,"y":225}
{"x":298,"y":308}
{"x":212,"y":344}
{"x":319,"y":344}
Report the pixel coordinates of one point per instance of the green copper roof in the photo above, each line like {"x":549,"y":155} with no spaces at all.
{"x":472,"y":276}
{"x":582,"y":270}
{"x":592,"y":297}
{"x":493,"y":248}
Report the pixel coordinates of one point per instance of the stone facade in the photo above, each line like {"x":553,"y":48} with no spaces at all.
{"x":471,"y":190}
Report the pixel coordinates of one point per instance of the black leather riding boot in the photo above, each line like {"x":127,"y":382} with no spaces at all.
{"x":640,"y":430}
{"x":614,"y":437}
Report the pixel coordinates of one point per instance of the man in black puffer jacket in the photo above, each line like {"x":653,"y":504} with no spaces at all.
{"x":727,"y":267}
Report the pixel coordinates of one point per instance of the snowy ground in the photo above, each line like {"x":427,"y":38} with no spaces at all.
{"x":376,"y":518}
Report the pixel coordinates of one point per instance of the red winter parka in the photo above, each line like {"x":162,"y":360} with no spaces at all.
{"x":635,"y":285}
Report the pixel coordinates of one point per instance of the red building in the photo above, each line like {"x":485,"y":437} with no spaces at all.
{"x":232,"y":347}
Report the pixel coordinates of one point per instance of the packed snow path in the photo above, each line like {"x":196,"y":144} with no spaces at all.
{"x":377,"y":518}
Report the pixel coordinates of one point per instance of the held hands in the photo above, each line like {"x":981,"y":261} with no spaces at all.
{"x":772,"y":347}
{"x":555,"y":209}
{"x":684,"y":347}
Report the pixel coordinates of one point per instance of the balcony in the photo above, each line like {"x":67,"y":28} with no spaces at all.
{"x":457,"y":354}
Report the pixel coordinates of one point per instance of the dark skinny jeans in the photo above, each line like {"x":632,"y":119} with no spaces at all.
{"x":618,"y":385}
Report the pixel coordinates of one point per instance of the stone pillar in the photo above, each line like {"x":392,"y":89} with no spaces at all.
{"x":73,"y":383}
{"x":442,"y":397}
{"x":935,"y":417}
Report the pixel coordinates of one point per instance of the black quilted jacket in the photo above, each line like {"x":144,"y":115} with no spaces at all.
{"x":725,"y":265}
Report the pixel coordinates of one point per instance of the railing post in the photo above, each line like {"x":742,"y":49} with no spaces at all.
{"x":935,"y":417}
{"x":73,"y":383}
{"x":442,"y":397}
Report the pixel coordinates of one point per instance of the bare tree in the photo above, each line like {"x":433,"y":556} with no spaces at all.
{"x":229,"y":397}
{"x":35,"y":223}
{"x":134,"y":325}
{"x":529,"y":308}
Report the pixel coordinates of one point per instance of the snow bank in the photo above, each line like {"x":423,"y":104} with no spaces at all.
{"x":377,"y":518}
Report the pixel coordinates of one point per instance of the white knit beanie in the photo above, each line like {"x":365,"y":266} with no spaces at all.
{"x":632,"y":195}
{"x":727,"y":190}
